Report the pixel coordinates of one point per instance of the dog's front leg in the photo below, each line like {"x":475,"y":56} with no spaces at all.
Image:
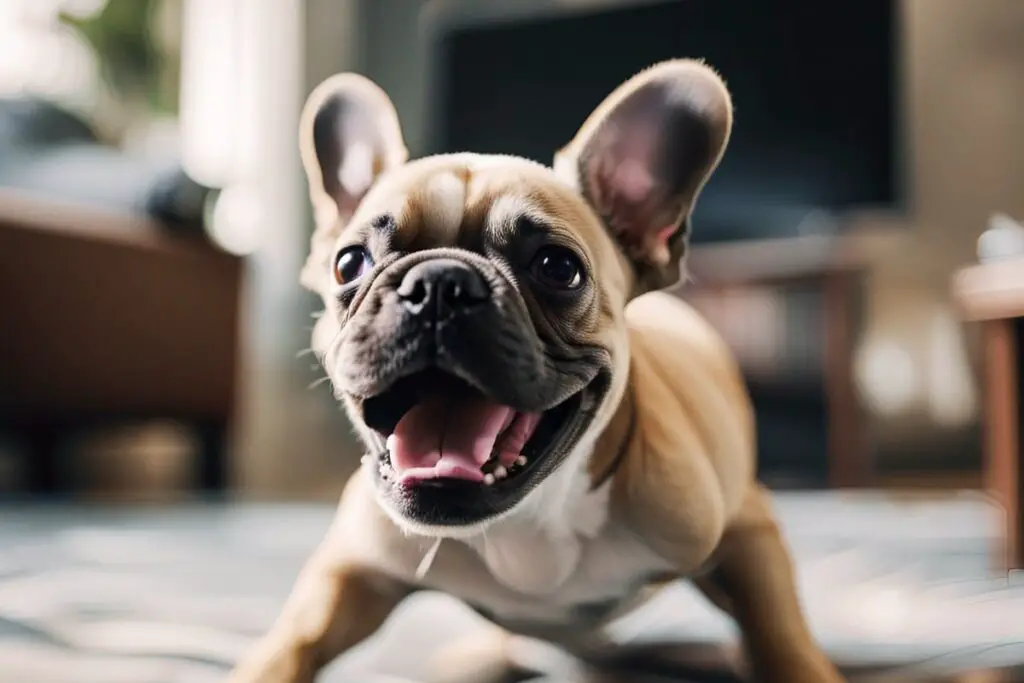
{"x":753,"y":580}
{"x":333,"y":607}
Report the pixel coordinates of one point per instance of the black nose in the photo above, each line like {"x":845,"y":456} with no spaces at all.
{"x":443,"y":287}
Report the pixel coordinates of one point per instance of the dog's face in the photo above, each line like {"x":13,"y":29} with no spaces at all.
{"x":474,"y":325}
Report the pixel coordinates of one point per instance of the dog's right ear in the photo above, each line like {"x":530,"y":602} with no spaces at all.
{"x":349,"y":135}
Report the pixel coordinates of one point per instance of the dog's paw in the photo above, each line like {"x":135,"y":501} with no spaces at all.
{"x":267,"y":664}
{"x":811,"y":668}
{"x":479,"y":658}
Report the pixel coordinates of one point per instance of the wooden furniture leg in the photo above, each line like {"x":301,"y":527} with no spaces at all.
{"x":849,"y":464}
{"x":42,"y":471}
{"x":212,"y":474}
{"x":1002,"y":434}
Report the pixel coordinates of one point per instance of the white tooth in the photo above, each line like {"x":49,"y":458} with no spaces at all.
{"x":488,"y":479}
{"x":390,"y":443}
{"x":500,"y":472}
{"x":521,"y":460}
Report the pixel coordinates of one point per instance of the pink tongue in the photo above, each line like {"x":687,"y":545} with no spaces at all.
{"x":446,"y":437}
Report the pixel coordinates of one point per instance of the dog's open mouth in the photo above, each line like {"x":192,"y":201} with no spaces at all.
{"x":438,"y":428}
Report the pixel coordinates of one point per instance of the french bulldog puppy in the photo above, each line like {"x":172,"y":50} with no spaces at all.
{"x":550,"y":438}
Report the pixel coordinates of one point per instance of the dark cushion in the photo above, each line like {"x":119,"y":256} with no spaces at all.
{"x":31,"y":122}
{"x":47,"y":150}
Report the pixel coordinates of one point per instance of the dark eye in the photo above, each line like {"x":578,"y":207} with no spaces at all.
{"x":352,"y":263}
{"x":558,"y":268}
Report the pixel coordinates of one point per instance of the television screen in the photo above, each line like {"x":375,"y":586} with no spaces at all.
{"x":813,"y":85}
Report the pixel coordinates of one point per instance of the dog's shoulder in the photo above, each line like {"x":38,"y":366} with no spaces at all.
{"x":676,"y":349}
{"x":691,"y":458}
{"x":677,"y":337}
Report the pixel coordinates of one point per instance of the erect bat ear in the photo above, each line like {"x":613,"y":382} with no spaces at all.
{"x":349,"y":135}
{"x":644,"y":155}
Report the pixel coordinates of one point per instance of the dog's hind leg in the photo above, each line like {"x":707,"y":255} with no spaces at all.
{"x":752,"y":579}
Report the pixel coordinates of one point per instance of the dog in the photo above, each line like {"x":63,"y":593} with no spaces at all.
{"x":551,"y":438}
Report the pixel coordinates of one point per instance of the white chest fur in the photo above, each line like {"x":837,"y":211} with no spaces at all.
{"x":526,"y":579}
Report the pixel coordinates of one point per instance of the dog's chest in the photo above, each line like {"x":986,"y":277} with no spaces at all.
{"x":534,"y":580}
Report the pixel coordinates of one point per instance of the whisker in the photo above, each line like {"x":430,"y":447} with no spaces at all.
{"x":314,"y":384}
{"x":428,"y":559}
{"x":332,"y":348}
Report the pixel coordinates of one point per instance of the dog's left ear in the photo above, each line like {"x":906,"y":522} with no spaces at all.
{"x":643,"y":156}
{"x":349,"y":135}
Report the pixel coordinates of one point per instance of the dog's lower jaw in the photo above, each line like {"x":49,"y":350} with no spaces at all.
{"x":411,"y":527}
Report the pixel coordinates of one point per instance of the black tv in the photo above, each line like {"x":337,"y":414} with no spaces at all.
{"x":815,"y":87}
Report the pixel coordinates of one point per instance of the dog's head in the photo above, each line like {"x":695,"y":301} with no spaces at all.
{"x":474,"y":325}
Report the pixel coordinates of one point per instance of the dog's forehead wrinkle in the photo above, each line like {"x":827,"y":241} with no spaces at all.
{"x":508,"y":208}
{"x":439,"y":205}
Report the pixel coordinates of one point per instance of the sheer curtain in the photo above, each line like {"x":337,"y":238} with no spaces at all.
{"x":244,"y":79}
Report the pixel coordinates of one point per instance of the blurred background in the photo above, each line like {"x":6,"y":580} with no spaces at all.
{"x":859,"y":247}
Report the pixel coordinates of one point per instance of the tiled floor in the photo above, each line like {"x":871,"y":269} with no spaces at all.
{"x":148,"y":595}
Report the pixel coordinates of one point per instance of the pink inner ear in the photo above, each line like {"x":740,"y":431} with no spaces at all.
{"x":632,"y":179}
{"x":623,"y":184}
{"x":663,"y":235}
